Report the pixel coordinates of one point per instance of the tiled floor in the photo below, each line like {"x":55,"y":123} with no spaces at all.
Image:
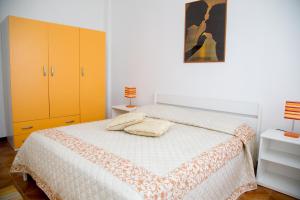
{"x":30,"y":191}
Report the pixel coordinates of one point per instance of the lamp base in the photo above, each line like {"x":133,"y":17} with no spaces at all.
{"x":130,"y":106}
{"x":291,"y":134}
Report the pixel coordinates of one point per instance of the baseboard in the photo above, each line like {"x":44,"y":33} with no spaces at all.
{"x":3,"y":139}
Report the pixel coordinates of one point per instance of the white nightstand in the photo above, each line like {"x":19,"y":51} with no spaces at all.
{"x":279,"y":163}
{"x":120,"y":109}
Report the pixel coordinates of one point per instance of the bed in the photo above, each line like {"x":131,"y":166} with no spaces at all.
{"x":208,"y":154}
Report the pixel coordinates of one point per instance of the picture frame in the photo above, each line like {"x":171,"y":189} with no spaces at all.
{"x":205,"y":31}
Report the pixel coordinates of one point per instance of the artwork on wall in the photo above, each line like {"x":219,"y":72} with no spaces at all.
{"x":205,"y":31}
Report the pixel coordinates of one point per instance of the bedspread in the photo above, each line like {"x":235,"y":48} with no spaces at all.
{"x":86,"y":162}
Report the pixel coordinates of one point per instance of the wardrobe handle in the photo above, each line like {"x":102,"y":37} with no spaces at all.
{"x":52,"y":71}
{"x":82,"y":71}
{"x":70,"y":122}
{"x":27,"y":127}
{"x":44,"y":71}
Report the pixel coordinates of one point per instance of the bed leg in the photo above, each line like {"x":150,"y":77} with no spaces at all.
{"x":24,"y":177}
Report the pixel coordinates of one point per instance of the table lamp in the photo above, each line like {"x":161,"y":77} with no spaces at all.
{"x":292,"y":111}
{"x":130,"y":92}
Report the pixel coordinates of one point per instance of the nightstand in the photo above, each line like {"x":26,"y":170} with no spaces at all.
{"x":120,"y":109}
{"x":279,"y":163}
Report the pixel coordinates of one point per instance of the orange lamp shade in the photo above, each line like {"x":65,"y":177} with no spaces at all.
{"x":292,"y":110}
{"x":130,"y":92}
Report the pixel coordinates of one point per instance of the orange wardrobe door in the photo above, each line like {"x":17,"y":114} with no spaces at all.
{"x":63,"y":70}
{"x":28,"y":41}
{"x":92,"y":77}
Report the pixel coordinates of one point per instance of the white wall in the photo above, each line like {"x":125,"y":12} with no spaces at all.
{"x":83,"y":13}
{"x":262,"y":54}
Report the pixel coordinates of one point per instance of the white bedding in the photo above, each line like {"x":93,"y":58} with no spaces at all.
{"x":87,"y":162}
{"x":157,"y":154}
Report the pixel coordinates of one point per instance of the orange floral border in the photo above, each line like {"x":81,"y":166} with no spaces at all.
{"x":178,"y":182}
{"x":53,"y":196}
{"x":201,"y":167}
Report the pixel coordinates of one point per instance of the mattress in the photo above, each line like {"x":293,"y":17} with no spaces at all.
{"x":188,"y":162}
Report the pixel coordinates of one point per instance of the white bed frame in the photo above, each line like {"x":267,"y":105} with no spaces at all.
{"x":246,"y":110}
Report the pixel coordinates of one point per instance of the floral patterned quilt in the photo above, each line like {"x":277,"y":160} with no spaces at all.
{"x":87,"y":162}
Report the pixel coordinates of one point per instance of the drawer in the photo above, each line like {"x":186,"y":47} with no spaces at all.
{"x":21,"y":128}
{"x":64,"y":121}
{"x":20,"y":139}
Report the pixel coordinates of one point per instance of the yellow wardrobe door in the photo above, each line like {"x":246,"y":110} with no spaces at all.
{"x":29,"y":69}
{"x":92,"y":77}
{"x":63,"y":70}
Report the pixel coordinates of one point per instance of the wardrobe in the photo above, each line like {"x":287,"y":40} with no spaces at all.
{"x":54,"y":75}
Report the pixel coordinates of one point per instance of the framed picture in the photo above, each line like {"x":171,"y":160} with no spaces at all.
{"x":205,"y":31}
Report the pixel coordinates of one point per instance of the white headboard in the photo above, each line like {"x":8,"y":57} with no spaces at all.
{"x":238,"y":108}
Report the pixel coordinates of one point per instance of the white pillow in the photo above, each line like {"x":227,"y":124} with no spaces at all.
{"x":212,"y":120}
{"x":150,"y":127}
{"x":122,"y":121}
